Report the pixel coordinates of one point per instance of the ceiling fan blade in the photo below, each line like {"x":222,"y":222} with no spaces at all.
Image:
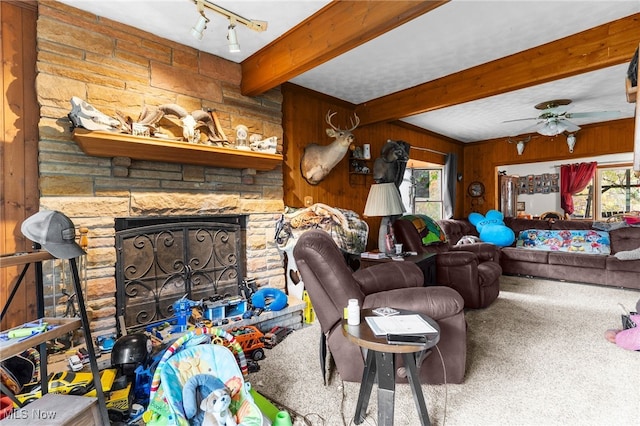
{"x":570,"y":127}
{"x":520,"y":119}
{"x":599,"y":114}
{"x":530,"y":129}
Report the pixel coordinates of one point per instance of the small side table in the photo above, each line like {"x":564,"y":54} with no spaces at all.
{"x":425,"y":261}
{"x":380,"y":364}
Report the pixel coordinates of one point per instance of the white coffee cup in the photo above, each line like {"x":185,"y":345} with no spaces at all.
{"x":398,"y":248}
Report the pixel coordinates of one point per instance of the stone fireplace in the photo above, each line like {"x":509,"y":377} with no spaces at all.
{"x":161,"y":259}
{"x":118,"y":68}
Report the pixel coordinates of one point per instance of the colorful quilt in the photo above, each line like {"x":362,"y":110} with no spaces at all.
{"x":576,"y":241}
{"x":429,"y":230}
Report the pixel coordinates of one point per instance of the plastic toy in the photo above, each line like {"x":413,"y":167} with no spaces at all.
{"x":182,"y":363}
{"x":64,"y":382}
{"x":269,"y":299}
{"x":225,"y":308}
{"x":251,"y":340}
{"x":182,"y":310}
{"x":216,"y":408}
{"x":492,"y":228}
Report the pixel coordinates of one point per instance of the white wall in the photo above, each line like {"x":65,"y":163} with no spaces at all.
{"x":536,"y":204}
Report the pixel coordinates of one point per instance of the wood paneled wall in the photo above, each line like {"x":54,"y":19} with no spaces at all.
{"x":304,"y":122}
{"x":482,"y":159}
{"x":19,"y":151}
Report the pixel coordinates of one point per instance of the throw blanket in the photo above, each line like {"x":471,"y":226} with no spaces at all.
{"x":429,"y":230}
{"x":345,"y":226}
{"x":577,"y":241}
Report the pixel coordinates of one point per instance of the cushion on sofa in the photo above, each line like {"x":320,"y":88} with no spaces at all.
{"x":615,"y":264}
{"x":570,"y":259}
{"x":574,"y":241}
{"x":516,"y":254}
{"x":625,"y":239}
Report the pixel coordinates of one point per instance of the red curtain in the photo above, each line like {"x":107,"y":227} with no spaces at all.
{"x":573,"y":179}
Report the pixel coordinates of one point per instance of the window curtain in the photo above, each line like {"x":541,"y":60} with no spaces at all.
{"x":573,"y":179}
{"x":449,"y":185}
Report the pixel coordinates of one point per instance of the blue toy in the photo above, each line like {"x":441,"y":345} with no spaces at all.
{"x":269,"y":299}
{"x":492,"y":229}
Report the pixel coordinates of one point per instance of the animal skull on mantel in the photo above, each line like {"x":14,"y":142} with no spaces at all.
{"x":318,"y":160}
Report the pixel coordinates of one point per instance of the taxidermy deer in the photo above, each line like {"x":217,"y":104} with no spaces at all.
{"x":318,"y":160}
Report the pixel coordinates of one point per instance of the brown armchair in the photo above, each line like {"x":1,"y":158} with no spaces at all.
{"x":473,"y":270}
{"x":331,"y":283}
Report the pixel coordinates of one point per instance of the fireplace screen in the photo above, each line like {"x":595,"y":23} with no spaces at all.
{"x":160,"y":263}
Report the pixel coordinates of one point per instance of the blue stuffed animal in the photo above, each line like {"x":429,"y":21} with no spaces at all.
{"x":492,"y":229}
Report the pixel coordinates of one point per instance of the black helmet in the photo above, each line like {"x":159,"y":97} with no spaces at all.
{"x":130,"y":351}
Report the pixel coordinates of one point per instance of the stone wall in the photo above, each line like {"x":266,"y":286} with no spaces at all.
{"x":116,"y":67}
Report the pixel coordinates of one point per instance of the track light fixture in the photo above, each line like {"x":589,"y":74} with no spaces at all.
{"x":234,"y":19}
{"x":234,"y":46}
{"x":199,"y":27}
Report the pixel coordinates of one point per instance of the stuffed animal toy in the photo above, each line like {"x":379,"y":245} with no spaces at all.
{"x":492,"y":228}
{"x":468,"y":239}
{"x":216,"y":409}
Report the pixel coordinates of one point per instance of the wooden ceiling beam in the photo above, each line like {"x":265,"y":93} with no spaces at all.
{"x":335,"y":29}
{"x":599,"y":47}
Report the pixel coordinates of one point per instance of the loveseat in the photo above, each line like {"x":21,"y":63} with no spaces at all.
{"x":587,"y":266}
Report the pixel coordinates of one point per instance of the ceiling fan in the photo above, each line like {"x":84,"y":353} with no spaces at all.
{"x":554,"y":115}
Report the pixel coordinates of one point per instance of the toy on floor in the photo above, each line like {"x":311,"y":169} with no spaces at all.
{"x":216,"y":409}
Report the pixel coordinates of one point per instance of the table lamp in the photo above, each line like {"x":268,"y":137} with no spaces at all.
{"x":384,"y":200}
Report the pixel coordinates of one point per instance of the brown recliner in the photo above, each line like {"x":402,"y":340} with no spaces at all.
{"x":473,"y":270}
{"x":331,"y":283}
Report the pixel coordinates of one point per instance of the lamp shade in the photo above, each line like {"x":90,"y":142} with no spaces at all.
{"x":384,"y":200}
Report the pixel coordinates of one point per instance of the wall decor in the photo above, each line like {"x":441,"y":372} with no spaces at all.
{"x":539,"y":184}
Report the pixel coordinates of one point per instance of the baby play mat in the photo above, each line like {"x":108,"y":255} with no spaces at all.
{"x":577,"y":241}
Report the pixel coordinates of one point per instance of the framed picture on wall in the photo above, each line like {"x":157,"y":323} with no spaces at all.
{"x":520,"y":206}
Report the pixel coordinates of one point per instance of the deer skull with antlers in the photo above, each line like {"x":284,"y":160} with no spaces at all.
{"x":318,"y":160}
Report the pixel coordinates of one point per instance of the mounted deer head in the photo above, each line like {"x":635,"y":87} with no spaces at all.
{"x":318,"y":160}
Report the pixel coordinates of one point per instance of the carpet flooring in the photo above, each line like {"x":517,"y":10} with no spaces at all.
{"x":536,"y":356}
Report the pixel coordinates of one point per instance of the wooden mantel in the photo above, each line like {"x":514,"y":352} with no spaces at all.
{"x":107,"y":144}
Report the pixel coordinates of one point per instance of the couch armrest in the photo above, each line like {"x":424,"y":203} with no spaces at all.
{"x":456,"y":258}
{"x":389,"y":276}
{"x":437,"y":302}
{"x":484,"y":251}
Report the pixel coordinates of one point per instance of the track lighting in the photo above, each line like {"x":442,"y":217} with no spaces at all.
{"x":201,"y":25}
{"x":234,"y":46}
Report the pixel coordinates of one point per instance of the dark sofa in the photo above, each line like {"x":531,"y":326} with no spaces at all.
{"x":579,"y":267}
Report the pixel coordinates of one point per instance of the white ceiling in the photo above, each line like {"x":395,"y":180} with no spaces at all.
{"x":456,"y":36}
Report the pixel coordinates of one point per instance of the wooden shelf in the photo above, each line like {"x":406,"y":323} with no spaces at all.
{"x":62,"y":326}
{"x":107,"y":144}
{"x":22,"y":258}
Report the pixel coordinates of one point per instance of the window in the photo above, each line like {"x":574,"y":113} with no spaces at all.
{"x":426,"y":192}
{"x":617,"y":191}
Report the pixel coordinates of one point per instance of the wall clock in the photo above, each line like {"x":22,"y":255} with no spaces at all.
{"x":476,"y":189}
